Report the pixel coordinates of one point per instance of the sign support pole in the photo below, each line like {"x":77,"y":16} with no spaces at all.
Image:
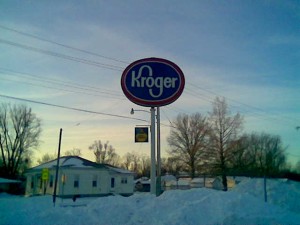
{"x":158,"y":189}
{"x":153,"y":82}
{"x":153,"y":159}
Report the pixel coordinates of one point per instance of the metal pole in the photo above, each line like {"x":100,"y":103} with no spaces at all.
{"x":57,"y":166}
{"x":153,"y":159}
{"x":265,"y":189}
{"x":158,"y":189}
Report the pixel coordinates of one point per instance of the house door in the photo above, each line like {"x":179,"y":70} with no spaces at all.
{"x":112,"y":183}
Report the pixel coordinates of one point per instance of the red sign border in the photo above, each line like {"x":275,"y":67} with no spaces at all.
{"x":157,"y":103}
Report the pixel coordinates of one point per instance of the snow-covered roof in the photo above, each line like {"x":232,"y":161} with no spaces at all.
{"x":118,"y":170}
{"x":183,"y":182}
{"x":168,"y":177}
{"x":8,"y":181}
{"x":143,"y":180}
{"x":78,"y":162}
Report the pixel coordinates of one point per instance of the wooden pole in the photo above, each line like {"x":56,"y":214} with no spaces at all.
{"x":265,"y":189}
{"x":57,"y":166}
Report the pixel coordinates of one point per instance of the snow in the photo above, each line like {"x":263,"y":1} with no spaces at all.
{"x":281,"y":192}
{"x":119,"y":170}
{"x":244,"y":204}
{"x":8,"y":181}
{"x":66,"y":161}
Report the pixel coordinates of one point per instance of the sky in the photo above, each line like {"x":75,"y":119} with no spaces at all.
{"x":197,"y":206}
{"x":72,"y":54}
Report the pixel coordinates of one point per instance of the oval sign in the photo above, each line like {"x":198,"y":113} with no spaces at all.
{"x":152,"y":82}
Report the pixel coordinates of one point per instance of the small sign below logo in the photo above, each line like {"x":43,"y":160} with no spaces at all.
{"x":141,"y":134}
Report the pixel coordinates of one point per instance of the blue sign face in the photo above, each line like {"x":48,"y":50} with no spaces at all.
{"x":152,"y":82}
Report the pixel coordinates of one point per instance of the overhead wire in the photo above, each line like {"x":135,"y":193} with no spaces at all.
{"x":59,"y":55}
{"x":255,"y":111}
{"x":89,"y":62}
{"x":60,"y":44}
{"x":65,"y":90}
{"x":82,"y":87}
{"x":71,"y":108}
{"x":78,"y":109}
{"x":118,"y":68}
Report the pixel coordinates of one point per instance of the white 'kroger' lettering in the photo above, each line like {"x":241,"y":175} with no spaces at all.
{"x":150,"y":82}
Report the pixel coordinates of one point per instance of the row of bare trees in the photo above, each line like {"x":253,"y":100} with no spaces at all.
{"x":215,"y":144}
{"x":197,"y":144}
{"x":259,"y":155}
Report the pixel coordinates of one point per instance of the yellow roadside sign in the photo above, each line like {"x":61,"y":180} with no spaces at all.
{"x":141,"y":134}
{"x":45,"y":174}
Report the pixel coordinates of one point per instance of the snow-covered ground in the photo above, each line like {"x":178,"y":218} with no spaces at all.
{"x":242,"y":205}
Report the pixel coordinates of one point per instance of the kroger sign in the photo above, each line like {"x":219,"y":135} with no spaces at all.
{"x":152,"y":82}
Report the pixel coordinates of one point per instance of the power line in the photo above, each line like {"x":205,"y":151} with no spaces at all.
{"x":61,"y":89}
{"x":257,"y":111}
{"x":71,"y":108}
{"x":59,"y":44}
{"x":59,"y":55}
{"x":113,"y":67}
{"x":61,"y":83}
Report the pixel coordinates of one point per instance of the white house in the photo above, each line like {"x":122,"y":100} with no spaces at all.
{"x":78,"y":177}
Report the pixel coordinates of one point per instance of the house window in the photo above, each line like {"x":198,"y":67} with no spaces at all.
{"x":94,"y":183}
{"x":124,"y":180}
{"x":112,"y":182}
{"x":64,"y":179}
{"x":76,"y":181}
{"x":51,"y":181}
{"x":39,"y":178}
{"x":32,"y":182}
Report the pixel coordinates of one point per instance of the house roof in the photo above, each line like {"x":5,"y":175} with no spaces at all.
{"x":78,"y":162}
{"x":8,"y":181}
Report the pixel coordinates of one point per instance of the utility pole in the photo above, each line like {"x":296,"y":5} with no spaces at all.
{"x":57,"y":166}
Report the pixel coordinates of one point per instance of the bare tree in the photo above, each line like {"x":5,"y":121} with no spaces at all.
{"x":140,"y":164}
{"x":97,"y":148}
{"x":224,"y":134}
{"x":104,"y":153}
{"x":46,"y":158}
{"x":267,"y":153}
{"x":19,"y":135}
{"x":127,"y":161}
{"x":188,"y":140}
{"x":73,"y":152}
{"x":172,"y":165}
{"x":112,"y":157}
{"x":131,"y":161}
{"x":145,"y":165}
{"x":297,"y":167}
{"x":241,"y":160}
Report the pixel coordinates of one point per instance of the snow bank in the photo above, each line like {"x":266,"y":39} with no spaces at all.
{"x":282,"y":192}
{"x":244,"y":205}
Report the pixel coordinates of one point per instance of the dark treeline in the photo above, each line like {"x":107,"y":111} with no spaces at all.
{"x":215,"y":144}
